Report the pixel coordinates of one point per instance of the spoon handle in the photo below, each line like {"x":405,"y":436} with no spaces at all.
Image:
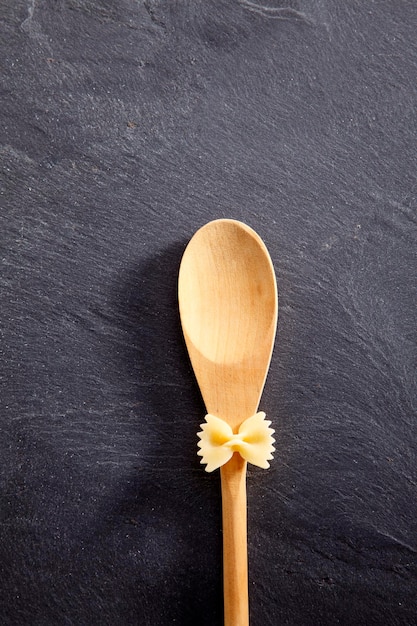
{"x":235,"y":551}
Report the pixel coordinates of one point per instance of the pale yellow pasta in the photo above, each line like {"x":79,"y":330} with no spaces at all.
{"x":253,"y":441}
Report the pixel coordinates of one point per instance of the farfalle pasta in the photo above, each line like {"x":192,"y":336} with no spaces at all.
{"x":253,"y":441}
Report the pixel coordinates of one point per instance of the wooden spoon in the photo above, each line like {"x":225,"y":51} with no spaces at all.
{"x":228,"y":306}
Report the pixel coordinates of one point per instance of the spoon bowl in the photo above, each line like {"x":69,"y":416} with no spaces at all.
{"x":228,"y":306}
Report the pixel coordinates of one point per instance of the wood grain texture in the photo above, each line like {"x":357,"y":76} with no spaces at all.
{"x":125,"y":127}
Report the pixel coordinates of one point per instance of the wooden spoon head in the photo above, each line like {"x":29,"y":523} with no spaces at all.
{"x":228,"y":306}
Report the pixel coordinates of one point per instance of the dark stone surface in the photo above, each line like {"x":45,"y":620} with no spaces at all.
{"x":126,"y":125}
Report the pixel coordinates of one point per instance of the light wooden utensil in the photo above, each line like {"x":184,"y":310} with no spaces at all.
{"x":229,"y":307}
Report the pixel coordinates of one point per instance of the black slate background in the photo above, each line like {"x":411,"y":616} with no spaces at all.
{"x":126,"y":125}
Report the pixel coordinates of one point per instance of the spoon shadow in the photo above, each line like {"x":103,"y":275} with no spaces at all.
{"x":168,"y":504}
